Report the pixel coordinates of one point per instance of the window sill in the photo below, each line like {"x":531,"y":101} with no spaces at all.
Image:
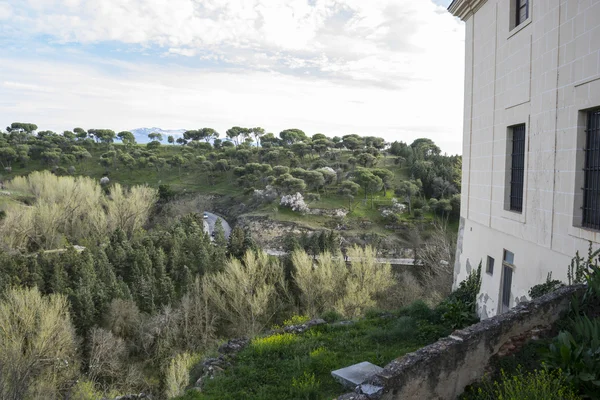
{"x":513,"y":215}
{"x":586,"y":234}
{"x":518,"y":28}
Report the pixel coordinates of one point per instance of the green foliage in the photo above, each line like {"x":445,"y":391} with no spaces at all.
{"x":460,"y":308}
{"x":547,"y":287}
{"x":577,"y":353}
{"x":536,"y":385}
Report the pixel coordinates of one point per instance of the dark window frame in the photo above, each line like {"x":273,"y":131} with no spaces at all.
{"x":508,"y":271}
{"x":517,"y":168}
{"x":489,"y":267}
{"x":522,"y":11}
{"x":591,"y":170}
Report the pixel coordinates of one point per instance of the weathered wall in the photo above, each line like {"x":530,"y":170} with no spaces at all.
{"x":442,"y":370}
{"x":544,"y":73}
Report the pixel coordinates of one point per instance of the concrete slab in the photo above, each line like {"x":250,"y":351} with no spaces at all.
{"x":356,"y":374}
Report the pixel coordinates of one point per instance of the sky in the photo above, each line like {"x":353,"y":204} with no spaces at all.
{"x":389,"y":68}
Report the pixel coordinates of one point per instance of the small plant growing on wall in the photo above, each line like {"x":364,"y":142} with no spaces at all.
{"x":547,"y":287}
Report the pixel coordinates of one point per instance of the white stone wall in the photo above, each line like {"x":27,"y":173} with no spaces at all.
{"x":541,"y":73}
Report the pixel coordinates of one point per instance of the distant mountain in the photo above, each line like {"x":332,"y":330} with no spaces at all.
{"x":141,"y":134}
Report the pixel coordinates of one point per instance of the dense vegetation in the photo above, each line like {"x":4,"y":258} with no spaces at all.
{"x":110,"y":284}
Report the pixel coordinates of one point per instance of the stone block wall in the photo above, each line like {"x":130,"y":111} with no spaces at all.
{"x":443,"y":369}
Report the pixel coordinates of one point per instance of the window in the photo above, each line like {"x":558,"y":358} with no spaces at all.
{"x":522,"y":10}
{"x":591,"y":186}
{"x":517,"y":168}
{"x":489,"y":268}
{"x":507,"y":273}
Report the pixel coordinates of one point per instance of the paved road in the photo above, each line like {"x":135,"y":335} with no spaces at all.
{"x":209,"y":224}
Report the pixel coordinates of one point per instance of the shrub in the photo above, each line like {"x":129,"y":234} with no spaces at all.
{"x":577,"y":353}
{"x":274,"y":344}
{"x":536,"y":385}
{"x":38,"y":346}
{"x":305,"y":386}
{"x":546,"y":287}
{"x":177,"y":375}
{"x":332,"y":316}
{"x":460,"y":307}
{"x":295,"y":202}
{"x":248,"y":294}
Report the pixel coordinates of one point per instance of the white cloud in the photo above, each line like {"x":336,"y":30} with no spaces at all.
{"x":176,"y":97}
{"x":389,"y":67}
{"x":5,"y":10}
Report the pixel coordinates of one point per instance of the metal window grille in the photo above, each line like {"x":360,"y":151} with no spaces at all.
{"x":507,"y":274}
{"x":522,"y":11}
{"x":591,"y":187}
{"x":517,"y":173}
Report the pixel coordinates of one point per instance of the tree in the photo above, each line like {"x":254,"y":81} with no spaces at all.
{"x":170,"y":139}
{"x":287,"y":184}
{"x":7,"y":156}
{"x":236,"y":132}
{"x":320,"y":285}
{"x":80,"y":133}
{"x":424,"y":148}
{"x":126,"y":137}
{"x":369,"y":182}
{"x":314,"y":179}
{"x":176,"y":161}
{"x":349,"y":190}
{"x":352,"y":142}
{"x":103,"y":135}
{"x":257,"y":133}
{"x":366,"y":160}
{"x":18,"y":127}
{"x":38,"y":346}
{"x":248,"y":293}
{"x":155,"y":136}
{"x":291,"y":136}
{"x":386,"y":177}
{"x":407,"y":190}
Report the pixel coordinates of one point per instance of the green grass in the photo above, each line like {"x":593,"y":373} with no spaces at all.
{"x":299,"y":366}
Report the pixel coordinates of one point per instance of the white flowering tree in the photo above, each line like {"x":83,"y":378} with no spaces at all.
{"x":295,"y":202}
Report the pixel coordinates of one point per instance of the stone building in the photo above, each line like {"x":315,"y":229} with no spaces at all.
{"x":531,"y":143}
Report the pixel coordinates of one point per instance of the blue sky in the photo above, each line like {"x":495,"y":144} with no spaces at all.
{"x":381,"y":67}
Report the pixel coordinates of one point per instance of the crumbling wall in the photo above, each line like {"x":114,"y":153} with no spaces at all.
{"x":443,"y":369}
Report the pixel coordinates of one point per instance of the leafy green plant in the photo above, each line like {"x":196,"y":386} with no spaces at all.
{"x":459,"y":314}
{"x":460,"y":307}
{"x":577,"y":353}
{"x":544,"y":288}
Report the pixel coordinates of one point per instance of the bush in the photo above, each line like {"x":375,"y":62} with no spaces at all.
{"x":460,"y":307}
{"x":546,"y":287}
{"x":577,"y":353}
{"x":536,"y":385}
{"x":332,"y":316}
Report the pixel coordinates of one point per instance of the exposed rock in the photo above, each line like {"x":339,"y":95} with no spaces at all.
{"x":371,"y":391}
{"x":234,"y":346}
{"x":304,"y":327}
{"x":343,"y":323}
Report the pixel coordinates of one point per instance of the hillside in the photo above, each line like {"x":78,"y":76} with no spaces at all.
{"x":103,"y":248}
{"x":348,"y":183}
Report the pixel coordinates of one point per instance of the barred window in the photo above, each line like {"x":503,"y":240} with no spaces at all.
{"x":517,"y":168}
{"x":591,"y":186}
{"x":522,"y":10}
